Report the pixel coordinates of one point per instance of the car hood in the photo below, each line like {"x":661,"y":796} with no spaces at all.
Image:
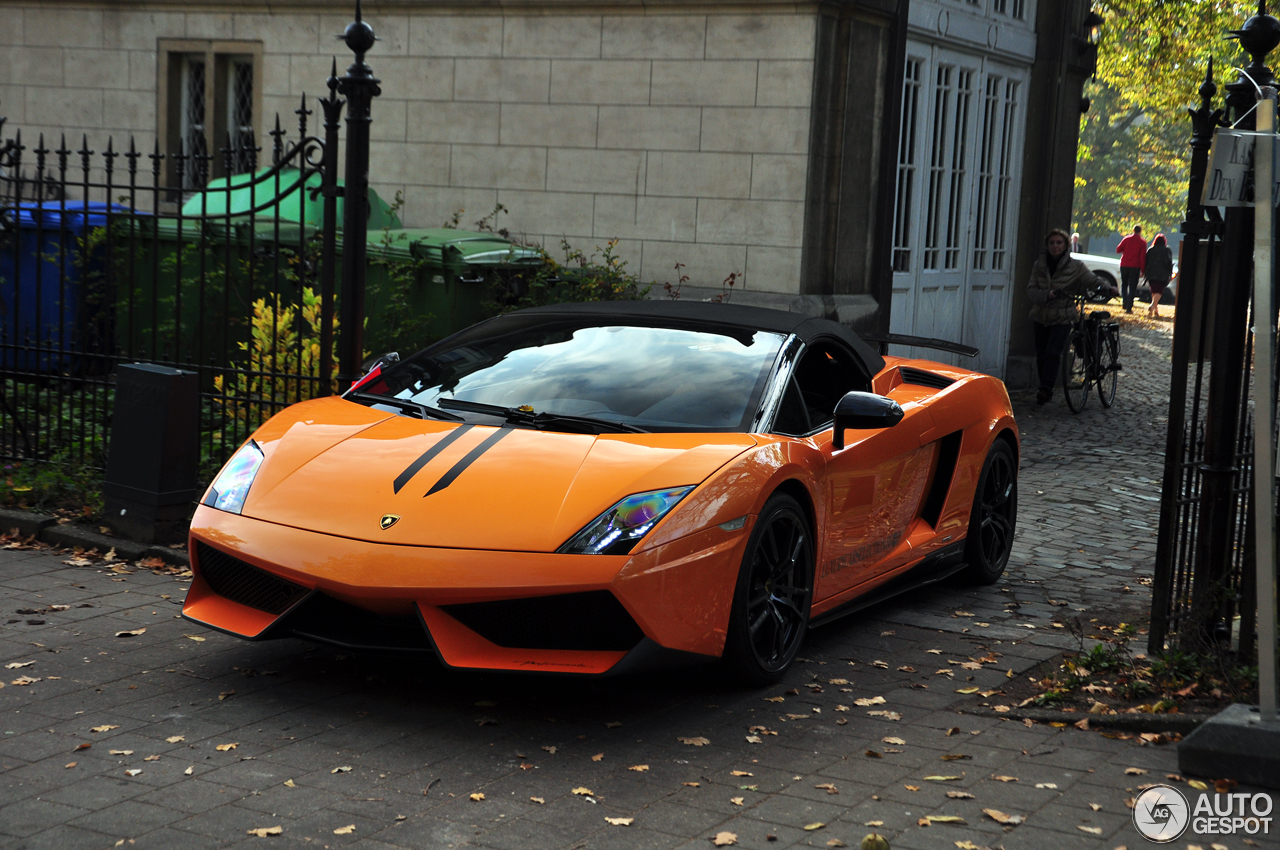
{"x":338,"y":467}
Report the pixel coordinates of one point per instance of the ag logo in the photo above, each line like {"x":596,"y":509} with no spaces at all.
{"x":1161,"y":814}
{"x":388,"y":520}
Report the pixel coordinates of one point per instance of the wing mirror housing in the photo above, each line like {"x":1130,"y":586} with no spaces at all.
{"x":864,"y":411}
{"x":384,"y":360}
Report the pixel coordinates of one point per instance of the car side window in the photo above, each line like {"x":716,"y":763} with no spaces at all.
{"x":825,"y":373}
{"x":792,"y":418}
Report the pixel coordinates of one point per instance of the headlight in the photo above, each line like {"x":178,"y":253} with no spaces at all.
{"x":619,"y":529}
{"x":232,"y":484}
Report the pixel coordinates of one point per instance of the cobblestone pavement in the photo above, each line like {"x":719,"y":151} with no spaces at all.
{"x":181,"y":737}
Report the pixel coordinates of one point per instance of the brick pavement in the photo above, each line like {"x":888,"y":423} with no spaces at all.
{"x":325,"y":741}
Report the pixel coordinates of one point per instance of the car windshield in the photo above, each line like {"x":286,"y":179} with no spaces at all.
{"x":656,"y":378}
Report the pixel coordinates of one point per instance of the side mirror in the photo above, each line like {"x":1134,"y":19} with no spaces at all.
{"x":388,"y":359}
{"x":864,"y":411}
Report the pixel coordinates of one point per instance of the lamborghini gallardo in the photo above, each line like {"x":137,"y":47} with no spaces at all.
{"x":590,"y":488}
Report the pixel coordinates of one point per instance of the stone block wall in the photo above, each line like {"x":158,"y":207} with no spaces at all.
{"x":683,"y":133}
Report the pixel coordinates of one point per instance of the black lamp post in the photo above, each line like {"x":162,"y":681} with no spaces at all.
{"x":360,"y":87}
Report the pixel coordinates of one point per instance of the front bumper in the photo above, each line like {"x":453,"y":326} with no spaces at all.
{"x":473,"y":608}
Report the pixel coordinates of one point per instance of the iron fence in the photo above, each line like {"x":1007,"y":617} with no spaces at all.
{"x":105,"y":260}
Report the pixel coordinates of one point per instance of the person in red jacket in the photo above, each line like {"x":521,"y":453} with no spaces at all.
{"x":1133,"y":259}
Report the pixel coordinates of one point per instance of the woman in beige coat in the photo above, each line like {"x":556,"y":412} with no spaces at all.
{"x":1056,"y":279}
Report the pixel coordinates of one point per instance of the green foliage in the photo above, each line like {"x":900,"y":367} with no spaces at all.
{"x":61,"y":484}
{"x":1133,"y":155}
{"x":397,"y":324}
{"x":48,"y":423}
{"x":579,"y":277}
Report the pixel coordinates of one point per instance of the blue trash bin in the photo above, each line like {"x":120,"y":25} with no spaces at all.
{"x":53,"y":304}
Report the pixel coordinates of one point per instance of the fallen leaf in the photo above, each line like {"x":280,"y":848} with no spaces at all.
{"x":120,"y":752}
{"x":189,"y":770}
{"x":960,"y":795}
{"x":196,"y":638}
{"x":131,"y":633}
{"x":934,"y":651}
{"x":1005,"y":778}
{"x":865,"y":701}
{"x":740,"y":773}
{"x":597,"y":757}
{"x":836,"y":842}
{"x":888,"y":715}
{"x":476,"y":797}
{"x":969,"y":845}
{"x":584,"y":792}
{"x":724,"y":839}
{"x":17,"y":665}
{"x":837,"y":681}
{"x":71,"y":764}
{"x":486,"y":721}
{"x":1197,"y":784}
{"x":737,"y":801}
{"x":912,"y":787}
{"x":264,"y":831}
{"x":225,"y":694}
{"x":1001,"y":818}
{"x":1224,"y":786}
{"x":881,"y":664}
{"x":551,"y":750}
{"x":1092,"y":830}
{"x":346,"y":768}
{"x":132,"y":772}
{"x":692,"y":784}
{"x":828,"y":787}
{"x":1096,"y":807}
{"x":345,"y":830}
{"x":613,"y":724}
{"x":970,"y":690}
{"x":152,"y":758}
{"x":893,"y":740}
{"x":872,"y":754}
{"x":954,"y":757}
{"x":289,"y":783}
{"x":874,"y":823}
{"x":1052,"y":786}
{"x":810,"y":827}
{"x":694,"y":742}
{"x":775,"y":699}
{"x":540,"y":801}
{"x":945,"y":819}
{"x":953,"y":730}
{"x":1134,"y":771}
{"x":174,"y":739}
{"x":639,"y":768}
{"x":621,"y":821}
{"x":103,"y":728}
{"x":942,"y":778}
{"x":222,"y":748}
{"x":754,"y":739}
{"x":23,"y":681}
{"x":906,"y":669}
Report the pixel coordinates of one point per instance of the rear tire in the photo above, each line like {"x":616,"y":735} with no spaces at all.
{"x":994,"y":516}
{"x":1075,"y":373}
{"x":774,"y":592}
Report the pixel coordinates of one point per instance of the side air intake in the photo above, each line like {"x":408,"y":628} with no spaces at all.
{"x":925,"y":379}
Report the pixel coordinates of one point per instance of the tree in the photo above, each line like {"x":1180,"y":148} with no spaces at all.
{"x":1133,"y":156}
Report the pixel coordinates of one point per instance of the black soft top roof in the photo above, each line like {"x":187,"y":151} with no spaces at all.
{"x":735,"y":315}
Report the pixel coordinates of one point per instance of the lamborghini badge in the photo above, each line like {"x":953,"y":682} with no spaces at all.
{"x":388,"y":520}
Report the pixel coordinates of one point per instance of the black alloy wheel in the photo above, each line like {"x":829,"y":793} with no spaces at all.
{"x":773,"y":595}
{"x":994,"y":516}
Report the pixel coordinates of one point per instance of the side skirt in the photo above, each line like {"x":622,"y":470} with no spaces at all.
{"x":932,"y":568}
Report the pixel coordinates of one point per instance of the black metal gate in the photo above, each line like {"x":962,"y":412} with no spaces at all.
{"x":105,"y":259}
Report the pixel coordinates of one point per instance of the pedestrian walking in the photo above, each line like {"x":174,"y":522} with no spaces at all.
{"x":1159,"y":270}
{"x":1133,"y":259}
{"x":1075,"y":243}
{"x":1056,"y":277}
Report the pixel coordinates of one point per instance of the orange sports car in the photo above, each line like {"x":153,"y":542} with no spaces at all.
{"x":585,"y":488}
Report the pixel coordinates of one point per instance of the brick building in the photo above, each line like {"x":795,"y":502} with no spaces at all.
{"x":869,"y":159}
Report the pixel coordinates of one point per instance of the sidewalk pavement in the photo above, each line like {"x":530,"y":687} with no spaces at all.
{"x":182,"y":737}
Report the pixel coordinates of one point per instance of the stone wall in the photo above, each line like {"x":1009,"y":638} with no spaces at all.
{"x":684,"y":133}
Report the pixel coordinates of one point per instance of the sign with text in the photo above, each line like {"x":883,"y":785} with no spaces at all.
{"x":1229,"y":180}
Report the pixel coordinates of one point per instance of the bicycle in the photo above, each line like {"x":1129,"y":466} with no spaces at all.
{"x":1091,"y":357}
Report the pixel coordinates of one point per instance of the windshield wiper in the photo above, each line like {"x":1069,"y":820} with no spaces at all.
{"x":541,"y":421}
{"x":405,"y":404}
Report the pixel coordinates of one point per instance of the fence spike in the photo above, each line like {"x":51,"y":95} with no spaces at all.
{"x":277,"y":152}
{"x":302,"y":112}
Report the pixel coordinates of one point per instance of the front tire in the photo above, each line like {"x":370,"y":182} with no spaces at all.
{"x":774,"y":592}
{"x":994,"y":516}
{"x":1108,"y":369}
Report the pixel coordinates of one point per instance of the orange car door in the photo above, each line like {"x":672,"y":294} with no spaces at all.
{"x":874,"y":488}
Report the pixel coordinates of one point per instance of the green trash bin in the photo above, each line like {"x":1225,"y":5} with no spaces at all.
{"x":217,"y":264}
{"x":424,"y":284}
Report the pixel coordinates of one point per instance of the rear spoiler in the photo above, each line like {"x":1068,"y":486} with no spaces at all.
{"x":886,"y":340}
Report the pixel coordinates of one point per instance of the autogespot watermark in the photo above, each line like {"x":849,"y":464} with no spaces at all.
{"x":1162,"y":814}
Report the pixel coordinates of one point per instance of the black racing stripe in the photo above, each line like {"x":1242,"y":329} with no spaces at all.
{"x":429,"y":455}
{"x":472,"y":456}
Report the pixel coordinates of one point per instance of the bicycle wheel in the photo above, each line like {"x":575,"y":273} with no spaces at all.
{"x":1075,"y":371}
{"x":1108,"y":362}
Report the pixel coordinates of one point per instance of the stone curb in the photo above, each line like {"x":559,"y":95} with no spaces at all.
{"x":47,"y":529}
{"x":1183,"y":724}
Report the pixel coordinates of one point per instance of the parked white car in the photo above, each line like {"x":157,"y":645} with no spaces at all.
{"x":1108,"y":268}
